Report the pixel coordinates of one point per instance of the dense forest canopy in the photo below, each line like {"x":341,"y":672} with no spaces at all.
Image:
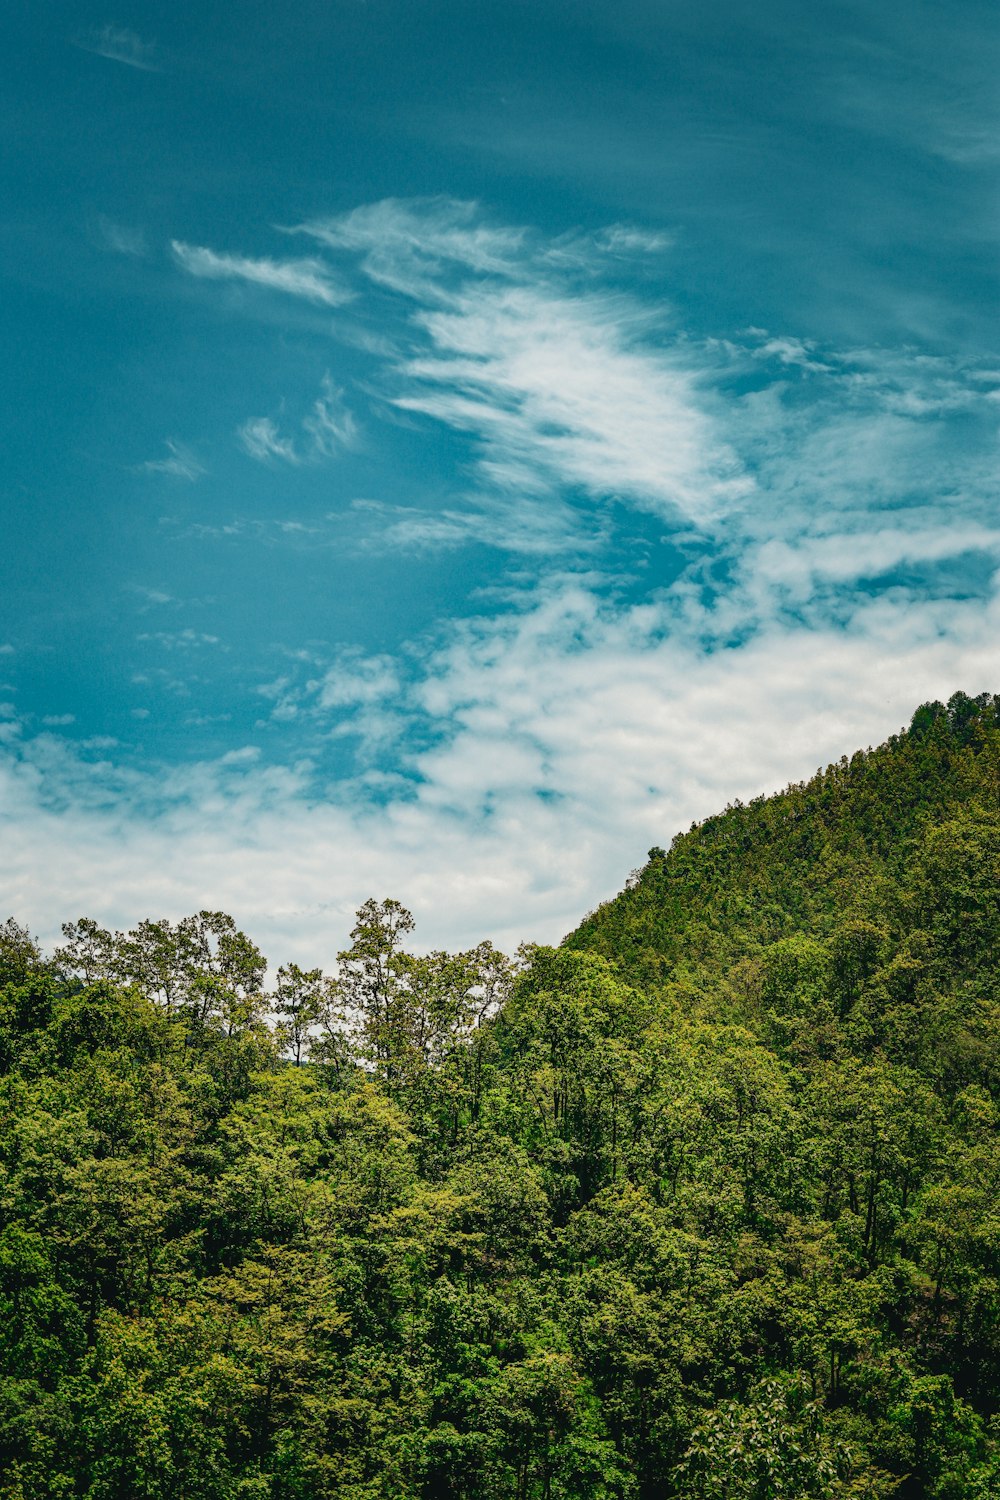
{"x":701,"y":1203}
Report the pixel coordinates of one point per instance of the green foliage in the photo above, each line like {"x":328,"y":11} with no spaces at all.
{"x":773,"y":1446}
{"x":702,"y":1203}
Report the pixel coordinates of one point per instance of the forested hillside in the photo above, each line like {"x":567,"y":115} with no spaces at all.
{"x":703,"y":1203}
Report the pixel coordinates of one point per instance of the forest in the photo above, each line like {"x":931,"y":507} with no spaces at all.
{"x":702,"y":1202}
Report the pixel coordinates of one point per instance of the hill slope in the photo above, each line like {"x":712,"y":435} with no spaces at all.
{"x":899,"y":836}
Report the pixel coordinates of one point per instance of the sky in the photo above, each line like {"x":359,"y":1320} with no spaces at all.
{"x":447,"y":449}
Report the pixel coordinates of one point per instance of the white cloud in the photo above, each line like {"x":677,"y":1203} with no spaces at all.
{"x":329,"y":428}
{"x":260,"y":438}
{"x":557,"y":387}
{"x":151,"y":596}
{"x":180,"y":463}
{"x":530,"y":526}
{"x":359,"y":681}
{"x":572,"y":395}
{"x":790,"y":351}
{"x":631,"y":239}
{"x":413,"y":245}
{"x":798,"y":568}
{"x":556,"y":391}
{"x":181,"y":640}
{"x":310,"y":279}
{"x":562,"y":741}
{"x":123,"y":239}
{"x":408,"y":243}
{"x":359,"y":696}
{"x":119,"y":44}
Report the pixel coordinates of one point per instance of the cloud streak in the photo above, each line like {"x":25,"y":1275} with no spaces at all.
{"x":328,"y":428}
{"x":557,"y":386}
{"x":310,"y":279}
{"x":118,"y":44}
{"x":553,"y":390}
{"x":260,"y":439}
{"x":408,"y":244}
{"x":180,"y":463}
{"x":122,"y":239}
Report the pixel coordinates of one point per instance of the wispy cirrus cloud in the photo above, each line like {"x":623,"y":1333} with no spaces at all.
{"x":180,"y":463}
{"x":260,"y":438}
{"x":151,"y":597}
{"x":329,"y":425}
{"x":309,"y":278}
{"x":413,"y":245}
{"x":328,"y":428}
{"x":181,"y":640}
{"x":574,"y":394}
{"x":123,"y":239}
{"x":119,"y":44}
{"x":632,"y":239}
{"x":556,"y":384}
{"x":566,"y":391}
{"x":523,"y":525}
{"x":407,"y":244}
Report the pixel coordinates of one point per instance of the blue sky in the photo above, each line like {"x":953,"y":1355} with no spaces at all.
{"x":448,"y":448}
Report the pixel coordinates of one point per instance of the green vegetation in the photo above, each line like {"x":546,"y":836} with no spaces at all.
{"x":703,"y":1203}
